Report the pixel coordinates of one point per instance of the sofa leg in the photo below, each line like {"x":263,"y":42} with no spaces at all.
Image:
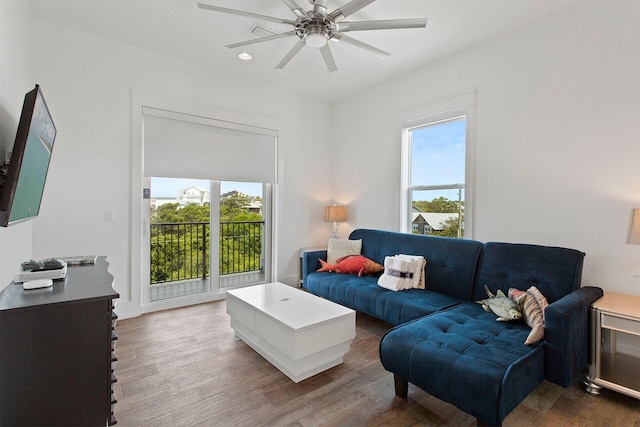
{"x":402,"y":386}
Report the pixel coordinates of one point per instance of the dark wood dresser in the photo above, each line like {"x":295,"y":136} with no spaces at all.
{"x":56,"y":351}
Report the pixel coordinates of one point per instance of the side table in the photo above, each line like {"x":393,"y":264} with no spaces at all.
{"x":612,"y":315}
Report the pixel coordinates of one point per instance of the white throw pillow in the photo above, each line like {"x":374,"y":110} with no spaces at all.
{"x":340,"y":248}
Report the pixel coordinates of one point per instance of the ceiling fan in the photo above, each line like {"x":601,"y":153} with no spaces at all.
{"x":314,"y":28}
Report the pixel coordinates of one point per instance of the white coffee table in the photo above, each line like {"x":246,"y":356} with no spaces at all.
{"x":299,"y":333}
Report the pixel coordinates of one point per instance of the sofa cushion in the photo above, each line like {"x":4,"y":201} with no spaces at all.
{"x":451,"y":263}
{"x":363,"y":294}
{"x":554,"y":271}
{"x":463,"y":356}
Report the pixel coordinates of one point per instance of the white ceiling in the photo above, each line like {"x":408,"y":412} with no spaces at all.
{"x":178,"y":28}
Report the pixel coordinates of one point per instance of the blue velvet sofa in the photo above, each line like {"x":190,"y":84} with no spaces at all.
{"x":444,"y":342}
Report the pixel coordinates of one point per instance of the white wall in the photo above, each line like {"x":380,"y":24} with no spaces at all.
{"x":88,"y":83}
{"x":557,"y":138}
{"x":16,"y":79}
{"x":557,"y":150}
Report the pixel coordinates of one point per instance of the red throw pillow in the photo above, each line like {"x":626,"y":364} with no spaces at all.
{"x":353,"y":264}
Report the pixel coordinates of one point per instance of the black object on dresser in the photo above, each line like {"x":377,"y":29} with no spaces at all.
{"x":57,"y":351}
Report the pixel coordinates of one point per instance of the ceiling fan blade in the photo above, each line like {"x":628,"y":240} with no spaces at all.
{"x":320,"y":7}
{"x":328,"y":58}
{"x":247,"y":14}
{"x":290,"y":55}
{"x":349,"y":8}
{"x":261,"y":39}
{"x":297,"y":10}
{"x":390,"y":24}
{"x":341,"y":38}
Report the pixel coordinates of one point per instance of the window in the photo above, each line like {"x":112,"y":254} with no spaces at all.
{"x":436,"y":188}
{"x":436,"y":164}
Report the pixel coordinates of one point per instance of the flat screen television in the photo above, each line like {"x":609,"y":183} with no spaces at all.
{"x":23,"y":184}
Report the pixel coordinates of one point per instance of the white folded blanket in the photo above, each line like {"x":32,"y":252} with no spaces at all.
{"x":403,"y":272}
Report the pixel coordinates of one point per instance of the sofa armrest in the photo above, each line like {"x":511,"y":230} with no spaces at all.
{"x":310,"y":263}
{"x":566,"y":335}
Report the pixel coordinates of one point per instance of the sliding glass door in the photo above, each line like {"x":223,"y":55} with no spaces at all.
{"x":206,"y":236}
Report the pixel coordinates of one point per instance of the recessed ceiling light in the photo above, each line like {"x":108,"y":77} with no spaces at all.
{"x":245,"y":56}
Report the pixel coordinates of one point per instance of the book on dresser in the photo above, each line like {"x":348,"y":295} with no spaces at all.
{"x":57,"y":350}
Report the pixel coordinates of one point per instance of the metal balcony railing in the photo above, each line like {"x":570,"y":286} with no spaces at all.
{"x":180,"y":251}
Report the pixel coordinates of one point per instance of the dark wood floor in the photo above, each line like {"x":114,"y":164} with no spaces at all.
{"x":182,"y":367}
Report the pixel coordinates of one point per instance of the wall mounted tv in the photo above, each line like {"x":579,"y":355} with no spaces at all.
{"x":27,"y":170}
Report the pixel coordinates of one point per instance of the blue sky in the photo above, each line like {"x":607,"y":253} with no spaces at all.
{"x":438,"y":154}
{"x":169,"y":187}
{"x":438,"y":157}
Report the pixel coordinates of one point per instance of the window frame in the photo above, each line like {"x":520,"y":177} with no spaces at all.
{"x":438,"y":111}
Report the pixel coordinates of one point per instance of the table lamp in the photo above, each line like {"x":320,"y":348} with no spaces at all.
{"x":335,"y":214}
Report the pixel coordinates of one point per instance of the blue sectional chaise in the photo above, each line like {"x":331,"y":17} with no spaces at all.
{"x":444,"y":342}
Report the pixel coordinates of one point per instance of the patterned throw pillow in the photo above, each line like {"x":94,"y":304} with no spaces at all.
{"x":539,"y":297}
{"x":532,"y":313}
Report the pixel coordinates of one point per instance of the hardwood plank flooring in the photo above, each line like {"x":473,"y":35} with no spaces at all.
{"x":183,"y":367}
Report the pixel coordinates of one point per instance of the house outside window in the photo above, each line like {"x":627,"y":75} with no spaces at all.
{"x":437,"y":152}
{"x":194,"y":196}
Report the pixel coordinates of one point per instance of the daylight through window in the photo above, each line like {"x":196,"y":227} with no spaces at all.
{"x":437,"y":167}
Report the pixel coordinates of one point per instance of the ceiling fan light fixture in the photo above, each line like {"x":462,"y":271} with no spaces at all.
{"x":245,"y":56}
{"x":315,"y":40}
{"x":316,"y":27}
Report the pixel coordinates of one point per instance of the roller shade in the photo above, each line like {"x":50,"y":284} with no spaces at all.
{"x":184,"y":146}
